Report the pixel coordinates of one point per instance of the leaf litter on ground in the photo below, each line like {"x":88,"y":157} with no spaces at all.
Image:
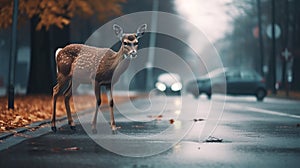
{"x":33,"y":108}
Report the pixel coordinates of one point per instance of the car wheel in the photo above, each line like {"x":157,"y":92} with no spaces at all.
{"x":196,"y":96}
{"x":208,"y":96}
{"x":260,"y":94}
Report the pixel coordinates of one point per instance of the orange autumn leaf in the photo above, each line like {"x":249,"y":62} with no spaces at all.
{"x":171,"y":121}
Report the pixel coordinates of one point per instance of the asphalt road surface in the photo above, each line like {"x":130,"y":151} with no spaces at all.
{"x":169,"y":132}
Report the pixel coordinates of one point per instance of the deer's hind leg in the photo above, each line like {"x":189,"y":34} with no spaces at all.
{"x":67,"y":95}
{"x":57,"y":89}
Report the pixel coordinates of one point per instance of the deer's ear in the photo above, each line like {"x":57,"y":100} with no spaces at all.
{"x":141,"y":30}
{"x":118,"y":31}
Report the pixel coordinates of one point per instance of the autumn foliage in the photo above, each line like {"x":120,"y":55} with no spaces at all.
{"x":58,"y":12}
{"x":33,"y":108}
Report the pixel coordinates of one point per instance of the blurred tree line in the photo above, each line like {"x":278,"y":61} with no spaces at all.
{"x":52,"y":22}
{"x":244,"y":48}
{"x":50,"y":28}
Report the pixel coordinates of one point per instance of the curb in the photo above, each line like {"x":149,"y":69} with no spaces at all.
{"x":284,"y":97}
{"x":34,"y":125}
{"x":38,"y":124}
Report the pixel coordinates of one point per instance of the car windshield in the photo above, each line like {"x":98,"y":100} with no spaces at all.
{"x":232,"y":72}
{"x":169,"y":78}
{"x":215,"y":73}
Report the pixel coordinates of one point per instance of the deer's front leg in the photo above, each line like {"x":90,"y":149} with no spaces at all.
{"x":97,"y":91}
{"x":111,"y":109}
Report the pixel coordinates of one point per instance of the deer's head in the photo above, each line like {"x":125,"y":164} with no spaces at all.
{"x":129,"y":41}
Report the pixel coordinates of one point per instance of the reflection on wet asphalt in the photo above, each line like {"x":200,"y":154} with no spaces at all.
{"x":250,"y":139}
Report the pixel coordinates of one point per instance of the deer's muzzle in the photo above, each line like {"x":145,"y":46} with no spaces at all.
{"x":131,"y":55}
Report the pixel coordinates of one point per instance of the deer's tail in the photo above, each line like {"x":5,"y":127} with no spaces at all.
{"x":56,"y":54}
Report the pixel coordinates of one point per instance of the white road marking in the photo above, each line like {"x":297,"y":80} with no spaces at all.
{"x":258,"y":110}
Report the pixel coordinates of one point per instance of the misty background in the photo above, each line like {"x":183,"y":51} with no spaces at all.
{"x":231,"y":27}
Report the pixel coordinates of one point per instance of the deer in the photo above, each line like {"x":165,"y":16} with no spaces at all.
{"x":99,"y":66}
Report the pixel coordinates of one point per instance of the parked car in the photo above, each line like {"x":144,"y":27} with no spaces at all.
{"x":169,"y":83}
{"x":237,"y":81}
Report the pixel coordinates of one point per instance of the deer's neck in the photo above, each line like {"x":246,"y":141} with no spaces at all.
{"x":119,"y":58}
{"x":119,"y":65}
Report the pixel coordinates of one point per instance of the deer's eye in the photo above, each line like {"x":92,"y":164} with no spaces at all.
{"x":136,"y":43}
{"x":125,"y":43}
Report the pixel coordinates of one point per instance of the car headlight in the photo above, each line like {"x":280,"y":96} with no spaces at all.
{"x":176,"y":86}
{"x":160,"y":86}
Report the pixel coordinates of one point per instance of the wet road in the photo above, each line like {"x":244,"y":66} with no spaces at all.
{"x":171,"y":132}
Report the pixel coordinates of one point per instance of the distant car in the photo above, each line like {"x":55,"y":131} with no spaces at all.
{"x":237,"y":82}
{"x":169,"y":83}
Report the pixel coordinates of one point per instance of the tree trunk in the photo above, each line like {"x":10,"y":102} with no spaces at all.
{"x":42,"y":75}
{"x":296,"y":46}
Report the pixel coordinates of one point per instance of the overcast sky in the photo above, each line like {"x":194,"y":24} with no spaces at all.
{"x":209,"y":16}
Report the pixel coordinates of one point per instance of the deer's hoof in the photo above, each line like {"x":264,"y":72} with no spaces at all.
{"x":94,"y":131}
{"x":114,"y":129}
{"x":73,"y":127}
{"x":54,"y":128}
{"x":114,"y":132}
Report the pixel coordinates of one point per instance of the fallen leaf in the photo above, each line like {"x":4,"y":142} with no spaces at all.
{"x":71,"y":148}
{"x":17,"y":119}
{"x":55,"y":149}
{"x":156,"y":117}
{"x":213,"y":139}
{"x":198,"y":119}
{"x":172,"y":121}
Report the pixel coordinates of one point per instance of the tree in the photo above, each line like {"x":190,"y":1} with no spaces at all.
{"x":243,"y":44}
{"x":287,"y":17}
{"x":58,"y":12}
{"x":49,"y":29}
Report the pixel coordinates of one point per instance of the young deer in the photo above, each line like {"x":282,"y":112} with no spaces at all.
{"x":96,"y":65}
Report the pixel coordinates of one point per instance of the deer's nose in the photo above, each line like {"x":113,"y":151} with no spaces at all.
{"x":133,"y":53}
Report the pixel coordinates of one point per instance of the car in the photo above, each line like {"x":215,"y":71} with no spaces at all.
{"x":232,"y":81}
{"x":169,"y":83}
